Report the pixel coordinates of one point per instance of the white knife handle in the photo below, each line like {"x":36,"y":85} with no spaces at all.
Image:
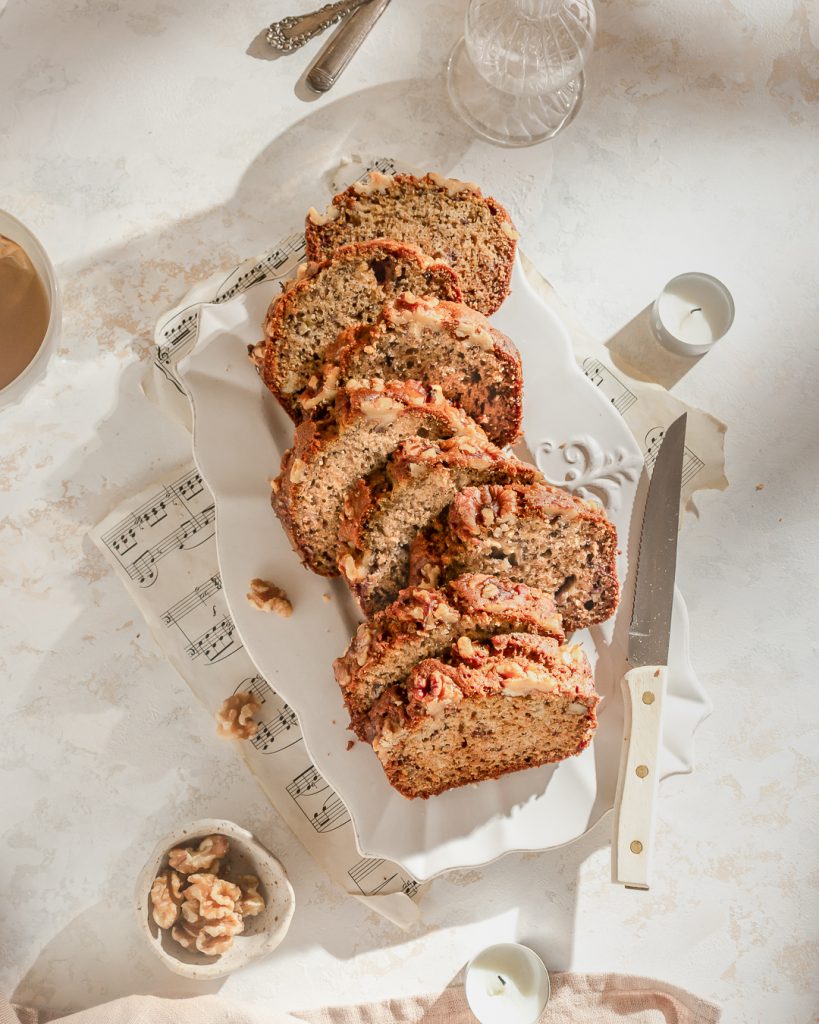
{"x":643,"y":696}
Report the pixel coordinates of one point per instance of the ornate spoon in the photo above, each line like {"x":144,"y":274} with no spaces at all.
{"x":292,"y":32}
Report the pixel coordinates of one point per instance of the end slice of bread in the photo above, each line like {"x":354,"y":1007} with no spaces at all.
{"x":449,"y":220}
{"x":482,"y":710}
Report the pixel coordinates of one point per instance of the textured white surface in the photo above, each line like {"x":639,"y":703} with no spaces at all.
{"x":471,"y":826}
{"x":146,"y":149}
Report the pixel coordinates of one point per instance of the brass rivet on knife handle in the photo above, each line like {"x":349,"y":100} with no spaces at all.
{"x":641,"y":771}
{"x":636,"y":846}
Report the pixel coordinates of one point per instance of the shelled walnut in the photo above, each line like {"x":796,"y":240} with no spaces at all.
{"x":267,"y":597}
{"x":235,"y":717}
{"x":203,"y":910}
{"x":206,"y":857}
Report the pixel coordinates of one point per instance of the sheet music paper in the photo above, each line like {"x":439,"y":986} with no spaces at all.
{"x":647,"y":408}
{"x":162,"y":545}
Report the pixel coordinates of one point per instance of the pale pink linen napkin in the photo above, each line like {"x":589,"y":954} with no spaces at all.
{"x":576,"y":999}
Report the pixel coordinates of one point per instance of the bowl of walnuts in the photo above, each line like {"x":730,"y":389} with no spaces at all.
{"x":211,"y":899}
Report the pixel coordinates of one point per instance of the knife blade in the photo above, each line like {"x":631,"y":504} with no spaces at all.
{"x":644,"y":685}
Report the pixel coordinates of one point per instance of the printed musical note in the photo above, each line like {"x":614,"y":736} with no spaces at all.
{"x":383,"y":164}
{"x":216,"y":643}
{"x":279,"y":727}
{"x":373,"y":876}
{"x":202,"y":618}
{"x":178,"y":333}
{"x":272,"y":265}
{"x":318,"y":803}
{"x":692,"y":463}
{"x":612,"y":387}
{"x":184,"y":509}
{"x":198,"y":596}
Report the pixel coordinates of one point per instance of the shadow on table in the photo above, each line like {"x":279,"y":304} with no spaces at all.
{"x":101,"y":943}
{"x":111,"y":304}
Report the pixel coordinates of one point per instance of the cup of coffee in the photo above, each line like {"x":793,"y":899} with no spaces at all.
{"x":30,"y":312}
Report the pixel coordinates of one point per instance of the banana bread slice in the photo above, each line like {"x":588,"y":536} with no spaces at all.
{"x":383,"y":512}
{"x":350,"y":286}
{"x":425,"y":623}
{"x":449,"y":220}
{"x":537,"y":534}
{"x":437,"y":342}
{"x":512,"y":702}
{"x":330,"y":453}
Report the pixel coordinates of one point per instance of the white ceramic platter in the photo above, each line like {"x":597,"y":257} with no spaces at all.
{"x":579,"y":441}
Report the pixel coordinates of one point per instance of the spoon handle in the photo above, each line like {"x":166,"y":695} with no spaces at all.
{"x":342,"y":45}
{"x":294,"y":31}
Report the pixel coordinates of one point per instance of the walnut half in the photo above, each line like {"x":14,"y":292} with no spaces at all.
{"x":252,"y":901}
{"x":235,"y":717}
{"x":207,"y":857}
{"x":267,"y":597}
{"x":166,"y":898}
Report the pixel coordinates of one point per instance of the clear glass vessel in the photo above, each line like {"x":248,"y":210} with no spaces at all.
{"x":516,"y":76}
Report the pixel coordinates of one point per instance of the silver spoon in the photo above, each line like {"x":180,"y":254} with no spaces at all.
{"x":292,"y":32}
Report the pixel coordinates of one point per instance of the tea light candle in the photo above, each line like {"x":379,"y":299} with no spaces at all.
{"x":507,"y":984}
{"x":691,"y":313}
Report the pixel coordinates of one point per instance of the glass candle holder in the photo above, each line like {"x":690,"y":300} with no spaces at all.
{"x":692,"y":313}
{"x":516,"y":76}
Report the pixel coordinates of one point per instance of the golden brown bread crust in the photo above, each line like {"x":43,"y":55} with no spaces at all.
{"x":423,"y":623}
{"x":330,"y":453}
{"x":516,"y":529}
{"x":273,"y":357}
{"x":485,"y":273}
{"x":434,"y":730}
{"x":477,"y":366}
{"x":383,"y":513}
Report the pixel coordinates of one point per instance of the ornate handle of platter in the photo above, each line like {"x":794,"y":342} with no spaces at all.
{"x":633,"y":836}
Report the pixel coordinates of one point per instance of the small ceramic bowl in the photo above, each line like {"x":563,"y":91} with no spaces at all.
{"x":262,"y":933}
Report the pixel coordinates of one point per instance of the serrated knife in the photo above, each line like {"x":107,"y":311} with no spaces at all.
{"x":644,"y":684}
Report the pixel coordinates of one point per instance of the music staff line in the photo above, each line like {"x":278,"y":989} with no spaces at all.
{"x":198,"y":596}
{"x":129,"y":534}
{"x":284,"y":725}
{"x":692,"y":463}
{"x":611,"y":386}
{"x":180,"y":331}
{"x":361,"y":870}
{"x":307,"y":790}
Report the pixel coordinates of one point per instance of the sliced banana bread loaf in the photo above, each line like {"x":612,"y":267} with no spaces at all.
{"x":437,"y":342}
{"x":349,"y":287}
{"x":486,"y":708}
{"x":330,"y":453}
{"x":424,"y":624}
{"x":448,"y":219}
{"x":535,"y":533}
{"x":384,"y":512}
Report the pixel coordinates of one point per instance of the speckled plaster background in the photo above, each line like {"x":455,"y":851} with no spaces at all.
{"x":147,"y":149}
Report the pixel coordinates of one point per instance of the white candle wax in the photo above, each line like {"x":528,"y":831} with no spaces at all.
{"x":507,"y":984}
{"x":691,"y":313}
